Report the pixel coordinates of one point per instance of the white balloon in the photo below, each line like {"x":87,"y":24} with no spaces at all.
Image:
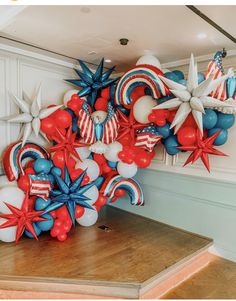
{"x":5,"y":182}
{"x":93,"y":194}
{"x":143,"y":107}
{"x":89,"y":217}
{"x":99,"y":116}
{"x":11,"y":195}
{"x":150,"y":60}
{"x":83,"y":152}
{"x":92,"y":167}
{"x":7,"y":234}
{"x":127,"y":170}
{"x":112,"y":152}
{"x":68,"y":95}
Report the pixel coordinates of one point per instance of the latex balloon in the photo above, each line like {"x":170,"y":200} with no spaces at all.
{"x":36,"y":229}
{"x":92,"y":167}
{"x":92,"y":193}
{"x":42,"y":166}
{"x":143,"y":107}
{"x":200,"y":77}
{"x":187,"y":135}
{"x":99,"y":116}
{"x":41,"y":204}
{"x":5,"y":182}
{"x":225,"y":121}
{"x":127,"y":170}
{"x":165,"y":130}
{"x":172,"y":76}
{"x":101,"y":104}
{"x":89,"y":218}
{"x":83,"y":152}
{"x":149,"y":60}
{"x":171,"y":144}
{"x":63,"y":119}
{"x":112,"y":152}
{"x":68,"y":95}
{"x":179,"y":74}
{"x":209,"y":119}
{"x":47,"y":224}
{"x":7,"y":234}
{"x":222,"y":138}
{"x":11,"y":195}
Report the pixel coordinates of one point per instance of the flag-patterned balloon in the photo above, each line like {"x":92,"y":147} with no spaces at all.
{"x":148,"y":138}
{"x":111,"y":126}
{"x":86,"y":126}
{"x":40,"y":185}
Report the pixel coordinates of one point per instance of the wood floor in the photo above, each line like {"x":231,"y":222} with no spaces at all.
{"x":216,"y":281}
{"x":135,"y":250}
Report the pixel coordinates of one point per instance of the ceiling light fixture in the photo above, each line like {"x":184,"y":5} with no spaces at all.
{"x":107,"y":61}
{"x":202,"y":35}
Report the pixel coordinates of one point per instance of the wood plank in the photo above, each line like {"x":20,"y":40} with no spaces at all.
{"x":133,"y":252}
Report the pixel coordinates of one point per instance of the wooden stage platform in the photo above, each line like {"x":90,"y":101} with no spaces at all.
{"x":136,"y":258}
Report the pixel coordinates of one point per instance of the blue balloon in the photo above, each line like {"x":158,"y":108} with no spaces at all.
{"x":179,"y":74}
{"x":164,"y":99}
{"x":165,"y":130}
{"x":222,"y":138}
{"x":209,"y":119}
{"x":182,"y":82}
{"x":36,"y":229}
{"x":41,"y":204}
{"x":231,"y":86}
{"x":200,"y":77}
{"x":47,"y":224}
{"x":99,"y":181}
{"x":170,"y":144}
{"x":42,"y":165}
{"x":56,"y":171}
{"x":225,"y":121}
{"x":123,"y":110}
{"x":112,"y":164}
{"x":172,"y":76}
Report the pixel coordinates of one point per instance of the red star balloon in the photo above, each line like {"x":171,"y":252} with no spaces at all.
{"x":22,"y":218}
{"x":201,"y":149}
{"x":128,"y":125}
{"x":67,"y":144}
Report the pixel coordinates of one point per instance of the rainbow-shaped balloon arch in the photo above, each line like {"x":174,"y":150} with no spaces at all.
{"x":108,"y":128}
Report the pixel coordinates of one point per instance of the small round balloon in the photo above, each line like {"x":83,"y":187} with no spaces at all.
{"x":112,"y":152}
{"x":209,"y":119}
{"x":171,"y":144}
{"x":222,"y":138}
{"x":225,"y":121}
{"x":68,"y":95}
{"x":127,"y":170}
{"x":92,"y":167}
{"x":143,"y":107}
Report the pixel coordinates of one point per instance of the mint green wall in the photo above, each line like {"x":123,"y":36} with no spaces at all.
{"x":199,"y":205}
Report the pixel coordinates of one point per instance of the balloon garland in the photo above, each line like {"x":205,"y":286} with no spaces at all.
{"x":104,"y":133}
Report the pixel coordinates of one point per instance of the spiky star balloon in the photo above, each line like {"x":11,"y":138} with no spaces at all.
{"x":201,"y":149}
{"x":69,"y":193}
{"x":22,"y":218}
{"x":91,"y":82}
{"x":31,"y":115}
{"x":193,"y":97}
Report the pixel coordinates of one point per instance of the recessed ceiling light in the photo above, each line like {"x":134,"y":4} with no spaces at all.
{"x":92,"y":52}
{"x":85,"y":9}
{"x":107,"y":60}
{"x":202,"y":35}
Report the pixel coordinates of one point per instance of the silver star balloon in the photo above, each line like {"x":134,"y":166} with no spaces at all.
{"x":30,"y":115}
{"x":193,"y":97}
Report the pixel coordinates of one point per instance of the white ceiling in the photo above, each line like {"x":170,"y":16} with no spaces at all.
{"x":169,"y":32}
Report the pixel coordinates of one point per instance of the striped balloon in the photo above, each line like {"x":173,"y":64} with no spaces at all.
{"x":140,"y":75}
{"x":14,"y":155}
{"x":132,"y":187}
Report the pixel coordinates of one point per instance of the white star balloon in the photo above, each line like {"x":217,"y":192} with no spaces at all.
{"x":193,"y":97}
{"x":31,"y":115}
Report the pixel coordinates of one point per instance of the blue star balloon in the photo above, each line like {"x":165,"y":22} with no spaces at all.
{"x":69,"y":193}
{"x":91,"y":82}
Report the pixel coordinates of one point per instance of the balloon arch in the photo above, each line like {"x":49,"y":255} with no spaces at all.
{"x":101,"y":135}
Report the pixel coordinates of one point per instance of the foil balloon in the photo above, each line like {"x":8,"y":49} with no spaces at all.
{"x":140,"y":75}
{"x":14,"y":155}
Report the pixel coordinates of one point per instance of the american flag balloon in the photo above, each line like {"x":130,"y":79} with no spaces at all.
{"x":147,"y":138}
{"x":215,"y":70}
{"x":109,"y":128}
{"x":40,"y":185}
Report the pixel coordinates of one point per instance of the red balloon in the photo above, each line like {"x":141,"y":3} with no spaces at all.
{"x":152,"y":117}
{"x":105,"y":93}
{"x":53,"y":214}
{"x":54,"y":232}
{"x":120,"y":192}
{"x":62,"y":214}
{"x":79,"y":211}
{"x":86,"y":180}
{"x":101,"y":104}
{"x":171,"y":116}
{"x":24,"y":183}
{"x":187,"y":135}
{"x":75,"y":104}
{"x":63,"y":119}
{"x":75,"y":97}
{"x":143,"y":160}
{"x":99,"y":158}
{"x":137,"y":93}
{"x":106,"y":168}
{"x":189,"y":121}
{"x":62,"y":236}
{"x":101,"y":201}
{"x":29,"y":171}
{"x":122,"y":155}
{"x":125,"y":140}
{"x":161,"y":121}
{"x":48,"y":126}
{"x":59,"y":159}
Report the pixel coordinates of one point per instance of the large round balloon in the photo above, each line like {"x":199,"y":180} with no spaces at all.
{"x":68,"y":95}
{"x":209,"y":119}
{"x":7,"y":234}
{"x":92,"y":193}
{"x":112,"y":152}
{"x":225,"y":121}
{"x":92,"y":167}
{"x":222,"y":138}
{"x":127,"y":170}
{"x":11,"y":195}
{"x":83,"y":152}
{"x":149,"y":59}
{"x":171,"y":145}
{"x":89,"y":217}
{"x":143,"y":107}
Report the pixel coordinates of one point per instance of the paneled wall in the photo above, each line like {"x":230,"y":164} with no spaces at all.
{"x":191,"y":198}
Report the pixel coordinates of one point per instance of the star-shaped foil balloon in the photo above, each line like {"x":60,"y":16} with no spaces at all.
{"x":31,"y":115}
{"x":69,"y":193}
{"x":22,"y":218}
{"x":128,"y":126}
{"x":201,"y":149}
{"x":91,"y":82}
{"x":66,"y":143}
{"x":193,"y":97}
